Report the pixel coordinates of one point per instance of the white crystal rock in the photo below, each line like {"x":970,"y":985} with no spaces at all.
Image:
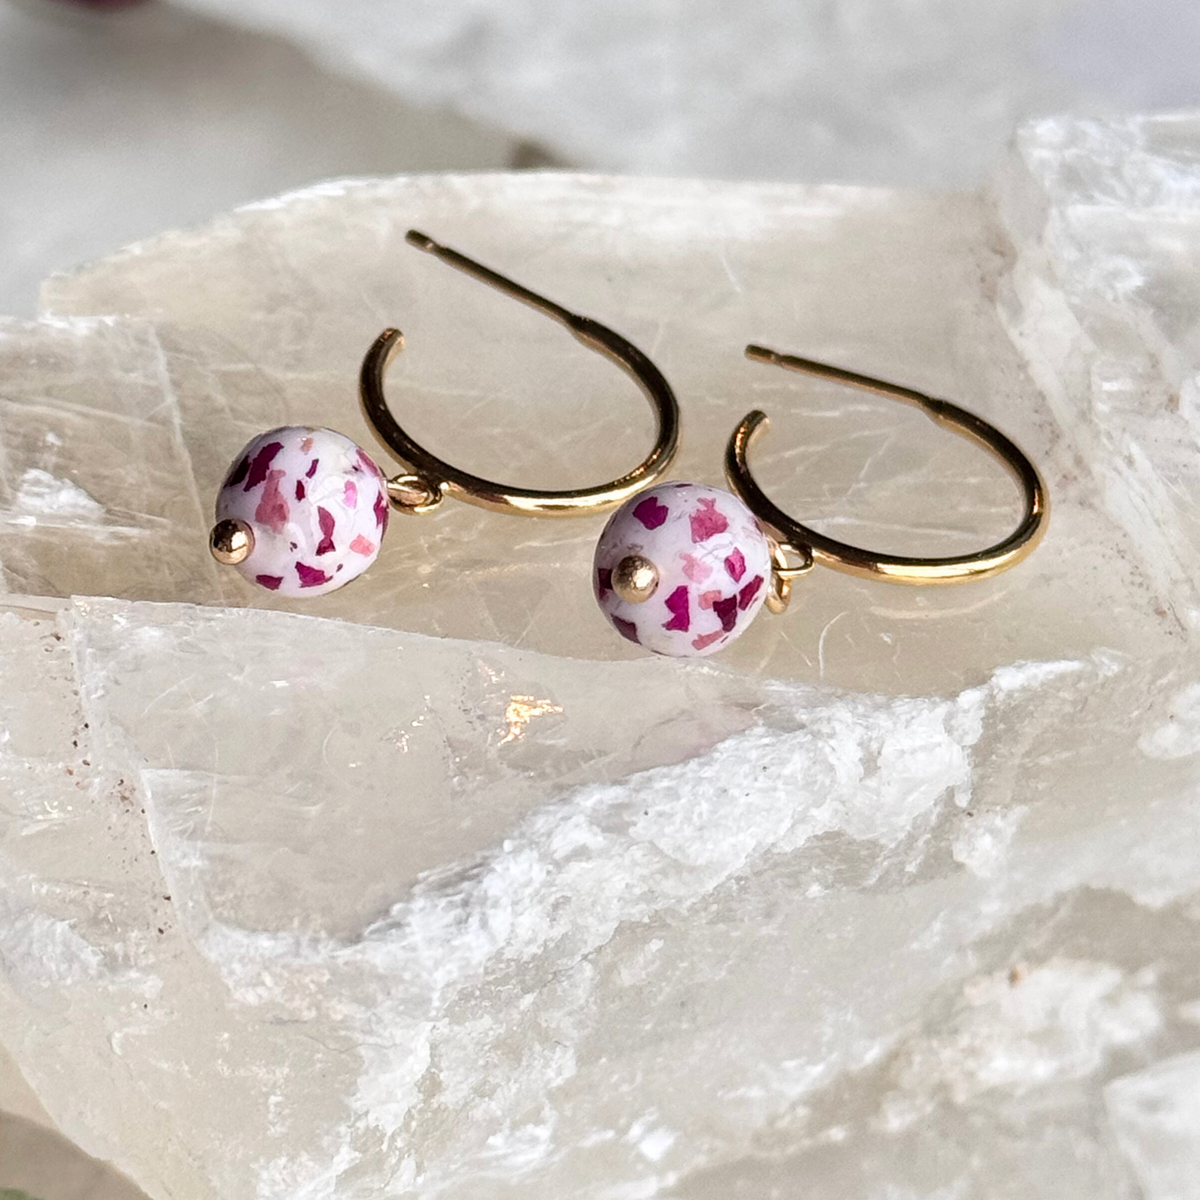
{"x":896,"y":897}
{"x":1156,"y":1115}
{"x":690,"y":272}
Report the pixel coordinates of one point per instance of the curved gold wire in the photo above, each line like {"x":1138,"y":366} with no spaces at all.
{"x":432,"y":479}
{"x":813,"y":547}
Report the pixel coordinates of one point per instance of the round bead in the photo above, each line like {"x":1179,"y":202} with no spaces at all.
{"x":713,"y":563}
{"x":316,"y":505}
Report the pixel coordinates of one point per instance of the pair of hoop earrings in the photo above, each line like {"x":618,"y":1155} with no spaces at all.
{"x":681,"y":568}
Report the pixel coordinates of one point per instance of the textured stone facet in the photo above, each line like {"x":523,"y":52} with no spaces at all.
{"x":713,"y":563}
{"x":896,"y":897}
{"x":316,"y":505}
{"x":481,"y":383}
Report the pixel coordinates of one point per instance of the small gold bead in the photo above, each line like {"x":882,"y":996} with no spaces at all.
{"x":231,"y":541}
{"x":635,"y":579}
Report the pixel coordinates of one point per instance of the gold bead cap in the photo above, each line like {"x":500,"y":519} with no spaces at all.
{"x":635,"y":579}
{"x":231,"y":542}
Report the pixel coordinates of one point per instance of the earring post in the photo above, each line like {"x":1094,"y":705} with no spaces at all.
{"x":502,"y":283}
{"x":429,"y":478}
{"x":866,"y":383}
{"x":870,"y":564}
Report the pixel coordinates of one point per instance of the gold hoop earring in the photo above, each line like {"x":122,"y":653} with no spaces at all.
{"x":432,"y":479}
{"x":684,"y":568}
{"x":303,"y":511}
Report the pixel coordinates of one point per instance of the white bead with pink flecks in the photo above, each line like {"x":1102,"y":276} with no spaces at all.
{"x":713,"y":562}
{"x":316,"y":504}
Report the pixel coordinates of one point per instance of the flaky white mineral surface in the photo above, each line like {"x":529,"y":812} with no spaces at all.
{"x":434,"y":888}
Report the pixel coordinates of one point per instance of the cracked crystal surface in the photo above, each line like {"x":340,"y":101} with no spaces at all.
{"x":262,"y":320}
{"x":896,"y":897}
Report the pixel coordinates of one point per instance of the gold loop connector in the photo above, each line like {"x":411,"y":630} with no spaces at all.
{"x":783,"y":573}
{"x":895,"y":568}
{"x":504,"y":497}
{"x":412,"y":495}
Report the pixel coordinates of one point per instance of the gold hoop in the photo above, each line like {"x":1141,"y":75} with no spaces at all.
{"x":812,"y":547}
{"x":431,"y":479}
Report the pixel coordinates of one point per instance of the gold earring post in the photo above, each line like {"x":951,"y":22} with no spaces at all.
{"x":813,"y":547}
{"x":430,"y":478}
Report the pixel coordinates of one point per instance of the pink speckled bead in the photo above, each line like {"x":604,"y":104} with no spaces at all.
{"x":316,"y":504}
{"x":713,"y":562}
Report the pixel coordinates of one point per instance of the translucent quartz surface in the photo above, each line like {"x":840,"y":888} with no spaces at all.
{"x":854,"y":90}
{"x":328,"y":926}
{"x":896,"y":898}
{"x":261,"y":320}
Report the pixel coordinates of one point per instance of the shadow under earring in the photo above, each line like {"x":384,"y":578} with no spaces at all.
{"x":684,"y":568}
{"x":303,"y":511}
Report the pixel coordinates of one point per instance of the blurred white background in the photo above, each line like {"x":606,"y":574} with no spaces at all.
{"x":117,"y":124}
